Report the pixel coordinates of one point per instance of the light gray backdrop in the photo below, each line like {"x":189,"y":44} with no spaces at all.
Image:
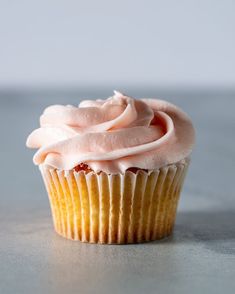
{"x":150,"y":42}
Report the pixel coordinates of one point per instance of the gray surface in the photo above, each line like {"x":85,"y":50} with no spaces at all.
{"x":199,"y":258}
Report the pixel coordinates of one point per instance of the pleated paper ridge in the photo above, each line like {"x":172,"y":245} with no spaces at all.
{"x":115,"y":209}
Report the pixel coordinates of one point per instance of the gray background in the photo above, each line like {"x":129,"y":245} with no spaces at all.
{"x":148,"y":42}
{"x":57,"y":51}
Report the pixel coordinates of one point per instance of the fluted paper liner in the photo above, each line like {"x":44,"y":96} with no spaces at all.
{"x":115,"y":209}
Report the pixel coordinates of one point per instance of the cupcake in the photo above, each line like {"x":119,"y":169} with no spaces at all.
{"x":113,"y":169}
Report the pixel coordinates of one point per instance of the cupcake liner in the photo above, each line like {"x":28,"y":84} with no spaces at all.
{"x":115,"y":209}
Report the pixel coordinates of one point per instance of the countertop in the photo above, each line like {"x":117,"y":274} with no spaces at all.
{"x":198,"y":258}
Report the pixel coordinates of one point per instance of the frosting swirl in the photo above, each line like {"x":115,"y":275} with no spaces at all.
{"x":113,"y":135}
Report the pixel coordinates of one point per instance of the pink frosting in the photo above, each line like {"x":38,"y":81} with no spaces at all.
{"x":113,"y":135}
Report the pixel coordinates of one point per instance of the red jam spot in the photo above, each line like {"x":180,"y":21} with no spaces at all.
{"x":82,"y":167}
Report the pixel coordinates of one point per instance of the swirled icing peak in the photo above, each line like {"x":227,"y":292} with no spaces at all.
{"x":113,"y":135}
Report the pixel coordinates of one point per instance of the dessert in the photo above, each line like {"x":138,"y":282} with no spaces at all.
{"x":113,"y":168}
